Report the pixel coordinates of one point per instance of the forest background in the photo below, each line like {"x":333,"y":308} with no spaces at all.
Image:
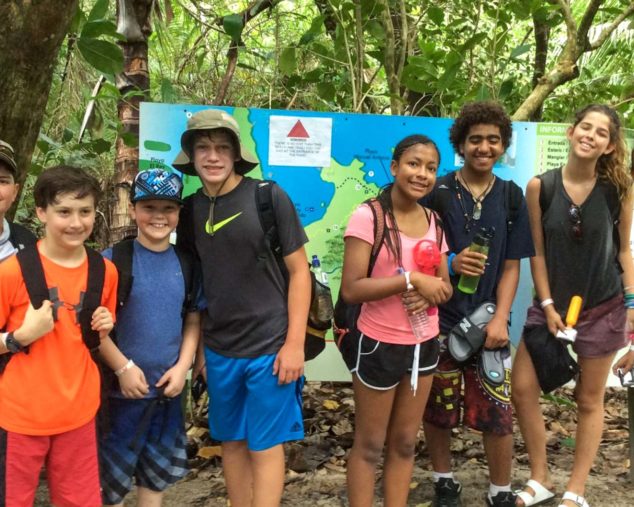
{"x":74,"y":72}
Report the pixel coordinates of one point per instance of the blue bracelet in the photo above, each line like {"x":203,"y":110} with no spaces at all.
{"x":449,"y":261}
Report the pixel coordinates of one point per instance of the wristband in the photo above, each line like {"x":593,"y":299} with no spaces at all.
{"x":546,"y":302}
{"x":124,"y":368}
{"x":632,"y":348}
{"x":409,"y":285}
{"x":450,"y":259}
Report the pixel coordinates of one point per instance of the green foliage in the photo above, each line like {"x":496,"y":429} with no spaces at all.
{"x":96,"y":33}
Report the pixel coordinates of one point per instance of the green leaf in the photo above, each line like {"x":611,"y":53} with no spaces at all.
{"x":104,"y":56}
{"x":326,"y":91}
{"x":520,"y":50}
{"x":95,"y":29}
{"x":315,"y":29}
{"x":79,"y":18}
{"x":67,"y":135}
{"x":99,"y":10}
{"x":568,"y":442}
{"x":483,"y":93}
{"x":288,"y":61}
{"x":233,"y":25}
{"x":168,"y":94}
{"x":447,"y":79}
{"x":506,"y":88}
{"x":100,"y":146}
{"x":129,"y":139}
{"x":436,"y":14}
{"x":474,"y":41}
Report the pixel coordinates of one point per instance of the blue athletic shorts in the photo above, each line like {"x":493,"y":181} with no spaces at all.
{"x":246,"y":402}
{"x":147,"y":442}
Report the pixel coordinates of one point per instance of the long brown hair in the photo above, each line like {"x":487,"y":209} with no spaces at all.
{"x":611,"y":166}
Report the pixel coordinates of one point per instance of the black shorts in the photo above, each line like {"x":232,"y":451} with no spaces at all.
{"x":380,"y":365}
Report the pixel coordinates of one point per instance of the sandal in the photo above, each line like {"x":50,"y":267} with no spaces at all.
{"x":541,"y":496}
{"x":574,"y":498}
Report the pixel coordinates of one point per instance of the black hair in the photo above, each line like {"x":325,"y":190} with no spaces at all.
{"x":64,"y":179}
{"x":392,"y":238}
{"x":480,"y":113}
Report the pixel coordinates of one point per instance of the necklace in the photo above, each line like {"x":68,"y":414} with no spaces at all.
{"x":477,"y":201}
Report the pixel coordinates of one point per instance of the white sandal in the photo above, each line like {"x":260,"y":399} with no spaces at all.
{"x":541,"y":496}
{"x":574,"y":498}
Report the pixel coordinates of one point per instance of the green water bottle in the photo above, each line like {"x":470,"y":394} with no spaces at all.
{"x":480,"y":244}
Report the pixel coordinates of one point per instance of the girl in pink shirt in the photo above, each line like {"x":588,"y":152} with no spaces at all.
{"x":392,"y":366}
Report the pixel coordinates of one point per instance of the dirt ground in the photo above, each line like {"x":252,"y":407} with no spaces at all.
{"x":316,"y":475}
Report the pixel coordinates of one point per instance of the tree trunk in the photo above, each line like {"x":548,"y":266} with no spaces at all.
{"x":29,"y":45}
{"x":133,"y":21}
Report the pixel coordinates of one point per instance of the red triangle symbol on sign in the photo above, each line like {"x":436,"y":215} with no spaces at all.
{"x":298,"y":130}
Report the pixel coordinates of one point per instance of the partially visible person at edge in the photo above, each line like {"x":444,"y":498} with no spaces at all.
{"x":576,"y":255}
{"x":392,"y":368}
{"x":13,"y":237}
{"x":157,"y":337}
{"x":50,"y":392}
{"x":476,"y":199}
{"x":255,"y":323}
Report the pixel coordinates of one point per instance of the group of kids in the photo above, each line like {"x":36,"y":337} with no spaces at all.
{"x":220,"y":302}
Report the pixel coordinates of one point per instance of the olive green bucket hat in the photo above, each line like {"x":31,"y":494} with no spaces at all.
{"x":212,"y":119}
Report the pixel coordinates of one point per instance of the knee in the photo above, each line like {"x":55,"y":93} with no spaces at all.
{"x":523,"y":393}
{"x":402,"y":447}
{"x":588,"y":403}
{"x":368,"y":450}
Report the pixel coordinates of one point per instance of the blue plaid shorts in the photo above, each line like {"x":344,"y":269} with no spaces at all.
{"x":147,"y":442}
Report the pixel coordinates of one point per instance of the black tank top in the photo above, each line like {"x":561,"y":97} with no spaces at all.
{"x":586,"y":266}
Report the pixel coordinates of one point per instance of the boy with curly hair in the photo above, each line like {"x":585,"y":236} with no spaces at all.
{"x":475,"y":198}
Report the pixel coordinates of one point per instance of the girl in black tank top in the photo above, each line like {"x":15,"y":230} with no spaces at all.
{"x":581,"y":233}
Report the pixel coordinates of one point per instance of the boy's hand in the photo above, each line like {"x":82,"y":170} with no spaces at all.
{"x":497,"y":334}
{"x":133,"y":384}
{"x":173,"y":381}
{"x":102,"y":321}
{"x":36,"y":323}
{"x":289,"y":363}
{"x":469,"y":263}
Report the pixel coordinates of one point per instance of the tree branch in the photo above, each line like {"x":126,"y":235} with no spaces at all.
{"x":605,"y":33}
{"x":586,"y":22}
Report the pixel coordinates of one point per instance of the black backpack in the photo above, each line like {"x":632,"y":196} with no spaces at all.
{"x":441,"y":198}
{"x":20,"y":237}
{"x":122,"y":254}
{"x":35,"y":282}
{"x":321,"y":308}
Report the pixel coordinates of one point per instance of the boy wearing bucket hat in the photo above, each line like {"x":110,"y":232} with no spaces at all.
{"x":254,"y":326}
{"x":13,"y":237}
{"x":156,"y":339}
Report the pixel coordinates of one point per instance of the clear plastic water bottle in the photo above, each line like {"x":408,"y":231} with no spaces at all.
{"x":320,"y":274}
{"x":419,"y":321}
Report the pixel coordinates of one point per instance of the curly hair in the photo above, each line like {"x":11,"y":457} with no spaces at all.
{"x":480,"y":113}
{"x":611,"y":166}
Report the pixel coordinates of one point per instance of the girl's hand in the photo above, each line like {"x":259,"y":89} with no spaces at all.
{"x":434,"y":289}
{"x":469,"y":263}
{"x":553,"y":320}
{"x":625,"y":363}
{"x":414,"y":302}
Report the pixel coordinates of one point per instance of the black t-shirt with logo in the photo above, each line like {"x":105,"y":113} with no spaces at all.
{"x":246,"y":296}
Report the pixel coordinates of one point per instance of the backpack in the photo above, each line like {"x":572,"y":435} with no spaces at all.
{"x":513,"y":199}
{"x":547,"y":192}
{"x":35,"y":282}
{"x":20,"y":237}
{"x":321,"y":309}
{"x":347,"y":314}
{"x":122,"y":254}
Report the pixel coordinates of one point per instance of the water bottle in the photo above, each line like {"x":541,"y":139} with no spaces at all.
{"x":419,"y":321}
{"x":320,"y":274}
{"x":480,"y":244}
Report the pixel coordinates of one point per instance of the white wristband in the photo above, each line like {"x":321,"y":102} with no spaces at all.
{"x":632,"y":347}
{"x":546,"y":302}
{"x":408,"y":284}
{"x":124,"y":368}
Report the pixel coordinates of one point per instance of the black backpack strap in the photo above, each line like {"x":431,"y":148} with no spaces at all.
{"x":513,"y":197}
{"x":34,"y":278}
{"x":122,"y":254}
{"x":91,"y":299}
{"x":191,"y":279}
{"x":20,"y":237}
{"x":266,"y":213}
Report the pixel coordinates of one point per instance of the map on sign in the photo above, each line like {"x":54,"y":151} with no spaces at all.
{"x":328,"y":163}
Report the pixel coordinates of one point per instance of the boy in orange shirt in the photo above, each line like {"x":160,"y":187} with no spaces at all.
{"x":50,"y":387}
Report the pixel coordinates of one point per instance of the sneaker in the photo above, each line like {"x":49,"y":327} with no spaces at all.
{"x":502,"y":499}
{"x":447,"y":493}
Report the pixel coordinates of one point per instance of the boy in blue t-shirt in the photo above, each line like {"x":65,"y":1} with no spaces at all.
{"x":147,"y":439}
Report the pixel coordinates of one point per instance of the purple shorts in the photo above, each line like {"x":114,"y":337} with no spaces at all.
{"x":600,"y":330}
